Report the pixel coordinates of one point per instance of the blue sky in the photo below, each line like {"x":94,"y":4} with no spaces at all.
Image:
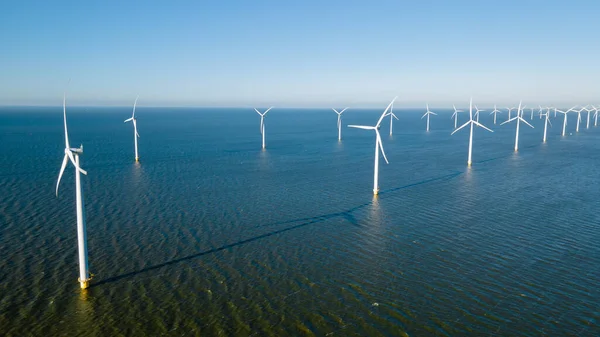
{"x":298,"y":54}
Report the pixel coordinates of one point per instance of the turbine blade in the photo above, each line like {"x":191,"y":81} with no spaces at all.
{"x":482,"y":126}
{"x":70,"y":154}
{"x":508,"y":121}
{"x":344,"y":109}
{"x":65,"y":120}
{"x":462,"y":126}
{"x":385,"y":111}
{"x":135,"y":128}
{"x":128,"y":120}
{"x":335,"y":111}
{"x":524,"y":121}
{"x":394,"y":116}
{"x":258,"y":112}
{"x":363,"y":127}
{"x":62,"y":170}
{"x":381,"y":147}
{"x":267,"y":110}
{"x":261,"y":124}
{"x":134,"y":105}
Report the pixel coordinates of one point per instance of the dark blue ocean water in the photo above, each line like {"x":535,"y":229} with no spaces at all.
{"x":210,"y":235}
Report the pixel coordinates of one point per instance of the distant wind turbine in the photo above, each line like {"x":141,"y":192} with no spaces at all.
{"x":339,"y":122}
{"x":588,"y":116}
{"x":455,"y":115}
{"x":135,"y":133}
{"x":378,"y":146}
{"x":470,"y":122}
{"x":72,"y":154}
{"x":546,"y":122}
{"x":531,"y":113}
{"x":509,"y":110}
{"x":519,"y":119}
{"x":392,"y":116}
{"x":595,"y":116}
{"x":565,"y":120}
{"x":578,"y":118}
{"x":477,"y":111}
{"x":495,"y":111}
{"x":427,"y":113}
{"x":262,"y":124}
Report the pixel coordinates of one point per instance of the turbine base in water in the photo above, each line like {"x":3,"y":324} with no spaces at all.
{"x":84,"y":284}
{"x":375,"y":192}
{"x":137,"y":159}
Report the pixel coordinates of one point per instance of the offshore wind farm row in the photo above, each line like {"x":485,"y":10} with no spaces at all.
{"x":73,"y":154}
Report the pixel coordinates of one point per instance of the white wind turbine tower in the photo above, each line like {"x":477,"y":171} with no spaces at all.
{"x":531,"y":113}
{"x":509,"y":110}
{"x":136,"y":135}
{"x":427,"y":113}
{"x":595,"y":115}
{"x":496,"y":111}
{"x":72,"y":154}
{"x":471,"y":122}
{"x":378,"y":146}
{"x":262,"y":124}
{"x":477,"y":111}
{"x":546,"y":122}
{"x":339,"y":122}
{"x":391,"y":117}
{"x":455,"y":115}
{"x":565,"y":120}
{"x":519,"y":119}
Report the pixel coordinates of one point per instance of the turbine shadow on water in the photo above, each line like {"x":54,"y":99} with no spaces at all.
{"x":347,"y":215}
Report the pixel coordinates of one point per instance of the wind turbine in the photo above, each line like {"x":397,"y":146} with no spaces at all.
{"x":471,"y":122}
{"x":391,"y":117}
{"x":531,"y":113}
{"x":578,"y":118}
{"x":477,"y":112}
{"x":262,"y":124}
{"x":455,"y":115}
{"x":509,"y":110}
{"x":565,"y":120}
{"x":378,"y":146}
{"x":427,"y":113}
{"x":72,"y":154}
{"x":495,"y":112}
{"x":135,"y":133}
{"x":546,"y":122}
{"x":519,"y":119}
{"x":595,"y":116}
{"x":339,"y":122}
{"x":588,"y":116}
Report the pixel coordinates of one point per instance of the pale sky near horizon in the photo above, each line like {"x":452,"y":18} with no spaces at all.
{"x":300,"y":54}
